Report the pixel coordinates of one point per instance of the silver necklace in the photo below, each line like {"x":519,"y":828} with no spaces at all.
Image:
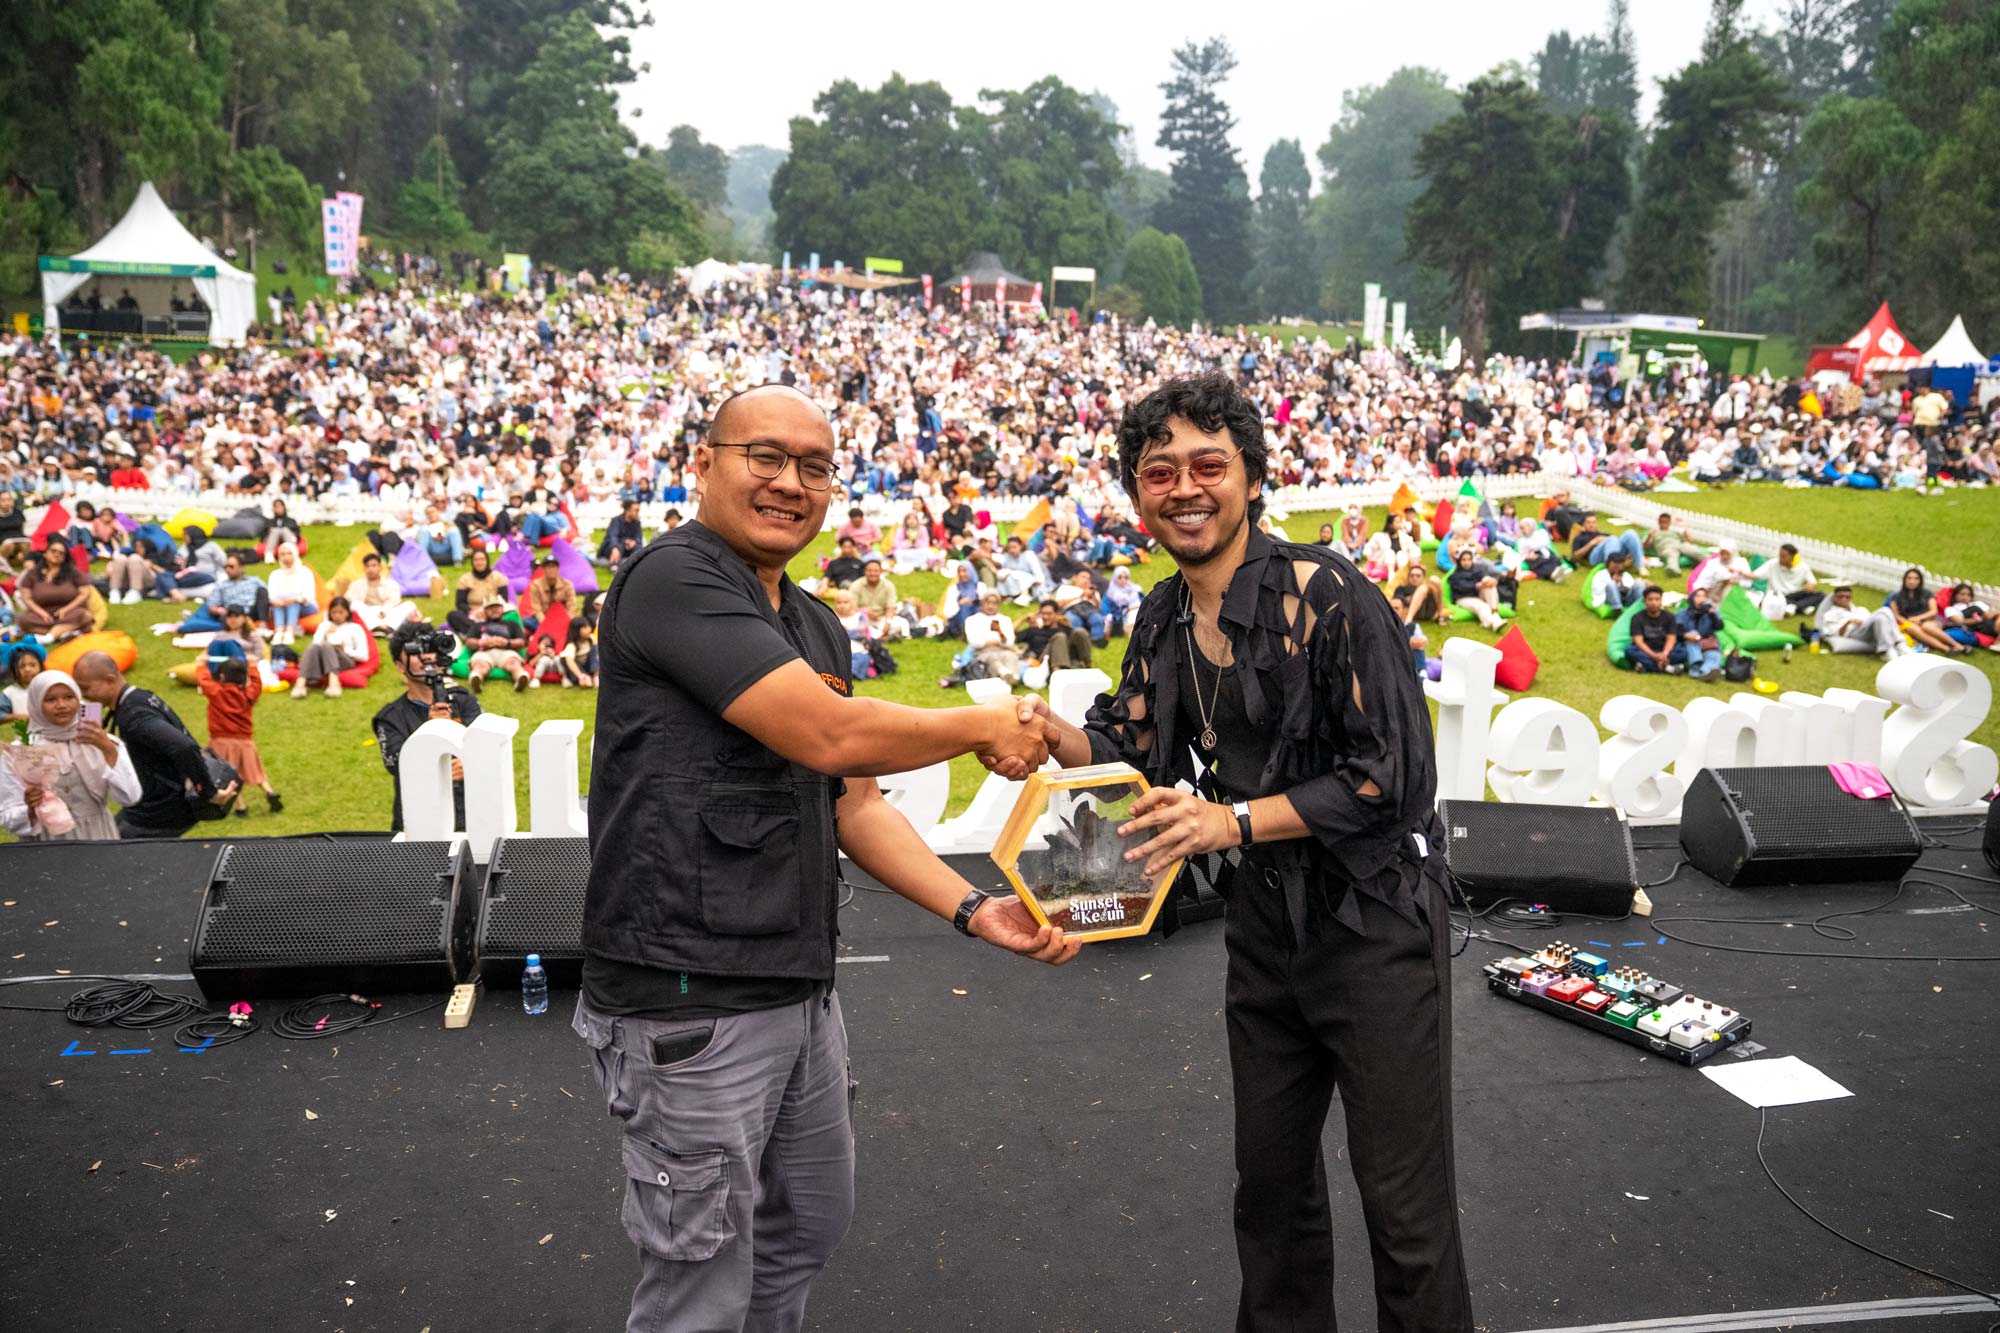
{"x":1194,"y":670}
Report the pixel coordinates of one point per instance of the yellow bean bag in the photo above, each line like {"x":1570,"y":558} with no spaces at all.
{"x":117,"y":642}
{"x":350,"y":568}
{"x":100,"y":610}
{"x":191,"y":517}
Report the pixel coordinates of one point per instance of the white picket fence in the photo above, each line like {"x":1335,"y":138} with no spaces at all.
{"x":1830,"y":560}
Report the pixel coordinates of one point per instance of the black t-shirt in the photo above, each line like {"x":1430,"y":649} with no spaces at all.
{"x":737,"y":647}
{"x":1659,"y":632}
{"x":1242,"y":750}
{"x":394,"y":723}
{"x":844,"y":569}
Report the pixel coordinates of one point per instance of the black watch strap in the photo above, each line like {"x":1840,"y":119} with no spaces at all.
{"x":1242,"y":809}
{"x":961,"y":920}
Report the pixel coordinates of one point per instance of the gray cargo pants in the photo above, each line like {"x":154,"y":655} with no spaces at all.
{"x":739,"y":1162}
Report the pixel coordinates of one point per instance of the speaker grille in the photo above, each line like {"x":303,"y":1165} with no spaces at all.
{"x":347,"y":902}
{"x":536,"y":905}
{"x":1573,"y":858}
{"x":1800,"y":811}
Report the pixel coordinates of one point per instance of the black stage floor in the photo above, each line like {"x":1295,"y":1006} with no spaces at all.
{"x":1038,"y":1149}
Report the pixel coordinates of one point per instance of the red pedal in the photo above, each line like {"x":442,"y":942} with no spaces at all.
{"x":1569,"y":988}
{"x":1596,"y":1001}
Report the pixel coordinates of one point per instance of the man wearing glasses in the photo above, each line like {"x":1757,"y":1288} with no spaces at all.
{"x":1276,"y":680}
{"x":728,"y":743}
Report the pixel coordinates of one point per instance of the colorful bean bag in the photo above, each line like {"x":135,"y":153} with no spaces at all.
{"x":354,"y":678}
{"x":461,"y":666}
{"x":1745,"y":629}
{"x":1518,"y":664}
{"x":321,"y":596}
{"x":554,"y":632}
{"x":55,"y":519}
{"x":1441,"y":519}
{"x":1620,"y":638}
{"x":350,"y":570}
{"x":1588,"y":585}
{"x":1465,"y":612}
{"x":243,"y":525}
{"x":517,"y":563}
{"x":191,"y":517}
{"x":117,"y":642}
{"x":416,"y":573}
{"x":573,"y":565}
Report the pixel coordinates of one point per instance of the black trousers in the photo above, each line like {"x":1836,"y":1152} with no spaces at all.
{"x":1369,"y":1014}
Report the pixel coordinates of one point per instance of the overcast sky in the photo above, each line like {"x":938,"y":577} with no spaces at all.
{"x":740,"y":75}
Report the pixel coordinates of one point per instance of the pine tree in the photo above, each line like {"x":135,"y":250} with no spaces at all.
{"x":1209,"y":203}
{"x":1284,"y":279}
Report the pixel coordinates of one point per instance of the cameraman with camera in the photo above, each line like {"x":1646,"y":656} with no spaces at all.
{"x":422,"y":653}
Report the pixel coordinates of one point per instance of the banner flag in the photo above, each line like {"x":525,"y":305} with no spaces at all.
{"x":927,"y":291}
{"x":1000,"y":293}
{"x":787,"y":275}
{"x":1035,"y":296}
{"x":1397,"y":314}
{"x":965,"y":293}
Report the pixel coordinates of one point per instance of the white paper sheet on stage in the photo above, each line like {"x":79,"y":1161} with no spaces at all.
{"x":1786,"y":1081}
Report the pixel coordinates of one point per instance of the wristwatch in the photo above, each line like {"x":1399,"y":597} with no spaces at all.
{"x":961,"y":920}
{"x":1242,"y":809}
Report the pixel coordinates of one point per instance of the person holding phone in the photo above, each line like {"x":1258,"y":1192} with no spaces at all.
{"x":77,"y":762}
{"x":173,"y":771}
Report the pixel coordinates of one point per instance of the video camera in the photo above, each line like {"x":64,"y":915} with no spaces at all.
{"x":436,"y":647}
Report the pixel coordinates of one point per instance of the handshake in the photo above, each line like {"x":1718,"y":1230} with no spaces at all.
{"x":1020,"y":736}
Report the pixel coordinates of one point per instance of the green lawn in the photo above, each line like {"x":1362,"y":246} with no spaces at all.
{"x":321,"y":753}
{"x":1956,"y":531}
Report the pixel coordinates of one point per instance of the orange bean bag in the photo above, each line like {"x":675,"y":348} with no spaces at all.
{"x":321,"y":596}
{"x":117,"y":642}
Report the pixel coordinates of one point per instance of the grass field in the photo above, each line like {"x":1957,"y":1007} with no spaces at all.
{"x":321,"y":752}
{"x":1955,"y":532}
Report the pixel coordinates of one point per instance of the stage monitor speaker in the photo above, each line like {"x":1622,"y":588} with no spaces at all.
{"x":1991,"y":843}
{"x":533,"y":903}
{"x":1573,"y":859}
{"x":1748,"y":827}
{"x":303,"y":916}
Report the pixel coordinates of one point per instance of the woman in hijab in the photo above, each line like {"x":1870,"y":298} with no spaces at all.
{"x":81,"y":764}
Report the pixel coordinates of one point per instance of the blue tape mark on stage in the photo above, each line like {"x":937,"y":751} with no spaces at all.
{"x":1635,"y":944}
{"x":142,"y":1050}
{"x":71,"y":1049}
{"x":197,"y":1050}
{"x":1600,"y":944}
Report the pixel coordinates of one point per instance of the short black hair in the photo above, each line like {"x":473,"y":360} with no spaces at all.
{"x":406,"y":634}
{"x":1652,"y":588}
{"x":1210,"y":403}
{"x":1788,"y":549}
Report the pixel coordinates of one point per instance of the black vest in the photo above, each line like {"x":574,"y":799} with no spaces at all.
{"x":710,"y":853}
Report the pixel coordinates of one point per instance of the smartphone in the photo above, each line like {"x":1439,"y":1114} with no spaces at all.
{"x":673,"y":1048}
{"x":93,"y":712}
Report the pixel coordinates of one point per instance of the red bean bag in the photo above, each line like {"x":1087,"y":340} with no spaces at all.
{"x":351,"y":679}
{"x":554,"y":629}
{"x":117,"y":642}
{"x":1441,"y":520}
{"x":1518,"y":663}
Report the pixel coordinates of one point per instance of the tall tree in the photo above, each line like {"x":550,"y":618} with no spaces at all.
{"x":749,"y":201}
{"x":1714,"y":109}
{"x":1209,"y":204}
{"x":1368,"y":180}
{"x":1159,"y":268}
{"x":1487,"y":183}
{"x":561,"y":139}
{"x":886,"y":171}
{"x":701,"y":170}
{"x":1048,"y":162}
{"x":1860,"y":158}
{"x":1284,"y":275}
{"x":428,"y":215}
{"x":1591,"y":73}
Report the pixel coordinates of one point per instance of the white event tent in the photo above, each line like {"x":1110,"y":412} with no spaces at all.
{"x":150,"y":254}
{"x":1955,"y":348}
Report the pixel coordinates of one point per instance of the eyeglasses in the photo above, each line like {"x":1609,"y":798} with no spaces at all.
{"x":1208,"y":470}
{"x":767,"y":461}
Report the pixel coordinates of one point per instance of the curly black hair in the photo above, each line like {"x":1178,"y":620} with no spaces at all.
{"x":1210,"y":402}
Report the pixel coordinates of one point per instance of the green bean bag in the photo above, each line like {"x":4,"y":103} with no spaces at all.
{"x":461,"y":666}
{"x":1745,"y":629}
{"x":1586,"y":584}
{"x":1465,"y":612}
{"x":1620,"y":638}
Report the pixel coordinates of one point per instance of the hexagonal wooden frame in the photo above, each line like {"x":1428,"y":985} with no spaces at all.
{"x":1028,"y":809}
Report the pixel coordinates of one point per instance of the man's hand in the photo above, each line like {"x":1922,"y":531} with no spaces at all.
{"x":34,"y":794}
{"x":1006,"y":923}
{"x":1022,"y":740}
{"x":226,"y":795}
{"x":1183,"y":824}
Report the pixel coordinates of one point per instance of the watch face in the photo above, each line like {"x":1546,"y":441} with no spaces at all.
{"x":1062,"y":852}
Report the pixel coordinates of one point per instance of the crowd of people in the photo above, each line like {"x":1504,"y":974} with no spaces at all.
{"x":475,"y":421}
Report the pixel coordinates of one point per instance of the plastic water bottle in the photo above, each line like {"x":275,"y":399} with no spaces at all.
{"x":535,"y":987}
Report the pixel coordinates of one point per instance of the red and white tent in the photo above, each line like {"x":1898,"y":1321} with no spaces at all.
{"x":1881,"y":347}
